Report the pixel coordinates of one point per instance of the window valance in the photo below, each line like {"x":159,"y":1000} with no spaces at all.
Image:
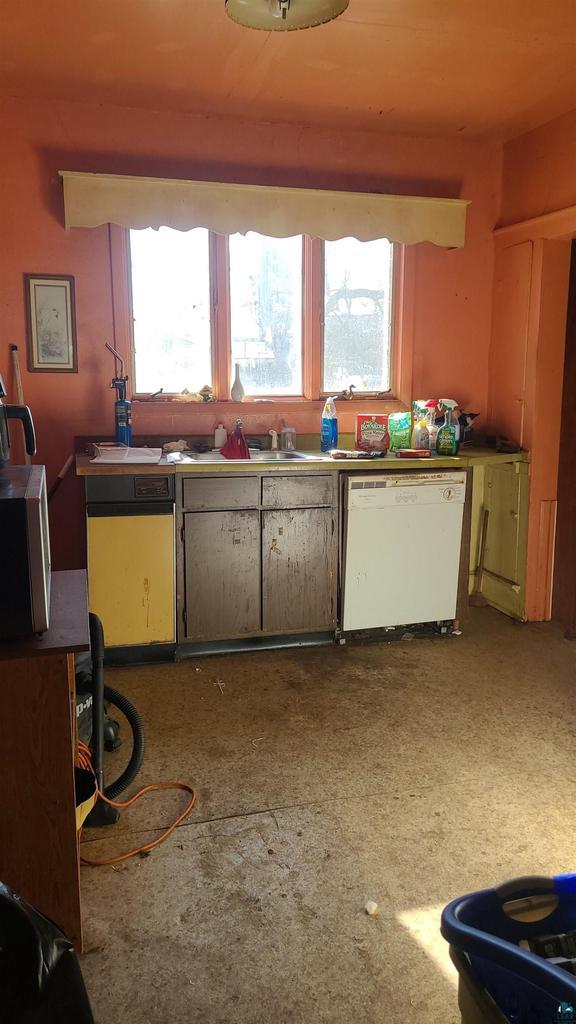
{"x":135,"y":202}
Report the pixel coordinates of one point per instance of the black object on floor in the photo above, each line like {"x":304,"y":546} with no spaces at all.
{"x":40,"y":977}
{"x":97,"y":728}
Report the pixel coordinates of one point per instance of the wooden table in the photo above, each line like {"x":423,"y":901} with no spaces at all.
{"x":38,"y":838}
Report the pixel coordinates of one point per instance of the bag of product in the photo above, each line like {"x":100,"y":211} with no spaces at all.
{"x":372,"y":432}
{"x":399,"y":426}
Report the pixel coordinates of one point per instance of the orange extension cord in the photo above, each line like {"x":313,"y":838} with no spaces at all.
{"x":85,"y":761}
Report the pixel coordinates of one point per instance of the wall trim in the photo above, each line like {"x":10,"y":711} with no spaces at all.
{"x":557,"y":225}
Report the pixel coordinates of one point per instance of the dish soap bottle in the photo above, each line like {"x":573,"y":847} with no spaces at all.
{"x":220,"y":436}
{"x":329,"y":426}
{"x":420,"y":436}
{"x":447,"y":436}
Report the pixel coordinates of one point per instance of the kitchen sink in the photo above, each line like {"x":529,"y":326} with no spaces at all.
{"x":255,"y":456}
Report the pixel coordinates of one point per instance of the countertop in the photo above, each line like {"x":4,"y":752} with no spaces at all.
{"x":68,"y":631}
{"x":469,"y":457}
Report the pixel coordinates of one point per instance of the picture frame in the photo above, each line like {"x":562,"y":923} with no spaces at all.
{"x":50,"y":323}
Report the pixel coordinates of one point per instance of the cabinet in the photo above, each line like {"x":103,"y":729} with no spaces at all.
{"x":262,"y":570}
{"x":222,"y":573}
{"x":503,"y":490}
{"x":131,"y":575}
{"x":298,"y":586}
{"x":130,"y":547}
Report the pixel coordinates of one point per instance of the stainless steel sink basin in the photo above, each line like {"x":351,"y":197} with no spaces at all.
{"x":276,"y":456}
{"x":206,"y":457}
{"x":266,"y":456}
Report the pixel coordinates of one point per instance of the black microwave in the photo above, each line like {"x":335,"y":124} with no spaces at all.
{"x":24,"y":552}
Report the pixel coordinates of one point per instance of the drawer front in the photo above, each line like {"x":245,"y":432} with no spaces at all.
{"x":129,"y":487}
{"x":221,"y":492}
{"x":294,"y":491}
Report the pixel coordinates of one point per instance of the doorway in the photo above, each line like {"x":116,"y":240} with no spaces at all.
{"x":564,"y":588}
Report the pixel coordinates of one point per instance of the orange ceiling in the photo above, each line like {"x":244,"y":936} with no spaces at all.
{"x":444,"y":67}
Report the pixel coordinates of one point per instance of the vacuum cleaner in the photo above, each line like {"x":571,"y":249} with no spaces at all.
{"x":98,"y":728}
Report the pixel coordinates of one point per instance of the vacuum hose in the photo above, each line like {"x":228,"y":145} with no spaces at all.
{"x":103,"y":693}
{"x":93,"y":759}
{"x":134,"y":765}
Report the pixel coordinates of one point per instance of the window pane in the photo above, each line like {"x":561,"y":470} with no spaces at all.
{"x":171,"y":308}
{"x":266,"y":313}
{"x":357,"y":314}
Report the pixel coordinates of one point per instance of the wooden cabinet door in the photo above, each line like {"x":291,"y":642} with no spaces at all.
{"x":298,"y":570}
{"x":222,"y":574}
{"x":506,"y":495}
{"x":131,"y":577}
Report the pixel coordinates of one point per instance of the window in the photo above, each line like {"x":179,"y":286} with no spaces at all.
{"x":266,"y":312}
{"x":203,"y":302}
{"x":357,"y":314}
{"x":171,"y":309}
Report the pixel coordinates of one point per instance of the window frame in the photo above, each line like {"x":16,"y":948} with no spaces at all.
{"x":312,"y":334}
{"x":373,"y":395}
{"x":274,"y":397}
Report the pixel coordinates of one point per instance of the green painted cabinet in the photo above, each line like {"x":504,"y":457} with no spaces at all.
{"x":503,"y":490}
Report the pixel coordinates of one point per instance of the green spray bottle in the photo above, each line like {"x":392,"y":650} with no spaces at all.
{"x":448,"y":434}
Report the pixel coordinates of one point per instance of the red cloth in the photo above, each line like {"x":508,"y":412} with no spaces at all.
{"x":236,"y":446}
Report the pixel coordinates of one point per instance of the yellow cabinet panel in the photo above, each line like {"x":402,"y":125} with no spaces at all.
{"x":506,"y":496}
{"x":131,"y":577}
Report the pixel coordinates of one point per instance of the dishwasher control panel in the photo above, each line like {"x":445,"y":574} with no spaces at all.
{"x":406,"y":489}
{"x":141,"y":489}
{"x":152,"y":487}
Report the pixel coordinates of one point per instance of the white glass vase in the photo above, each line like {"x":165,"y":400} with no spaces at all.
{"x":237,"y":391}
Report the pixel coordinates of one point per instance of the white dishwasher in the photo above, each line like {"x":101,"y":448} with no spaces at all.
{"x":403,"y":535}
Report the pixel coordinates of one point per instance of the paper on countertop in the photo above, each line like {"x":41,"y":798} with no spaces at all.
{"x":107,"y":455}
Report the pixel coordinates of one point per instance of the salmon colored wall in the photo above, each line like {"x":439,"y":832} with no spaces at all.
{"x":530,"y":305}
{"x":538,"y":175}
{"x":448,"y":319}
{"x":510,"y":313}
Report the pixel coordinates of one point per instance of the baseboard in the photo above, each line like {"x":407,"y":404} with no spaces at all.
{"x":139,"y":654}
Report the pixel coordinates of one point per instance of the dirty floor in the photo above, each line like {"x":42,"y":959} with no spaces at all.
{"x":406,"y":773}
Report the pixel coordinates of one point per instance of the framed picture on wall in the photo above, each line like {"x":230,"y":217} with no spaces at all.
{"x":51,"y":323}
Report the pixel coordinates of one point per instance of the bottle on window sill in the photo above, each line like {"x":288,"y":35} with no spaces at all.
{"x":237,"y":391}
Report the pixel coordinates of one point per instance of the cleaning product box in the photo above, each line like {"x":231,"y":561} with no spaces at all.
{"x":372,"y":432}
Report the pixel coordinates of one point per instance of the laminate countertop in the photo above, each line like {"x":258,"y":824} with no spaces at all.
{"x":314,"y":461}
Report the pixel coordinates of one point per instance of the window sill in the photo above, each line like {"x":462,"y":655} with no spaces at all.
{"x":386,"y":403}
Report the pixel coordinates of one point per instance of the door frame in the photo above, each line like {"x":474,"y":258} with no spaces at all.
{"x":551,"y":236}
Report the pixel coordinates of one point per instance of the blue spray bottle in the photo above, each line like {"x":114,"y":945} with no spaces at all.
{"x":122,"y":407}
{"x":329,"y":426}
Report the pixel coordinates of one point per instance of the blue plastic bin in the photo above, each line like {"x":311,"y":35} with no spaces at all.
{"x":499,"y":980}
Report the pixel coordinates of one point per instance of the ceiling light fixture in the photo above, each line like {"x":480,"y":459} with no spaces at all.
{"x":284,"y":15}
